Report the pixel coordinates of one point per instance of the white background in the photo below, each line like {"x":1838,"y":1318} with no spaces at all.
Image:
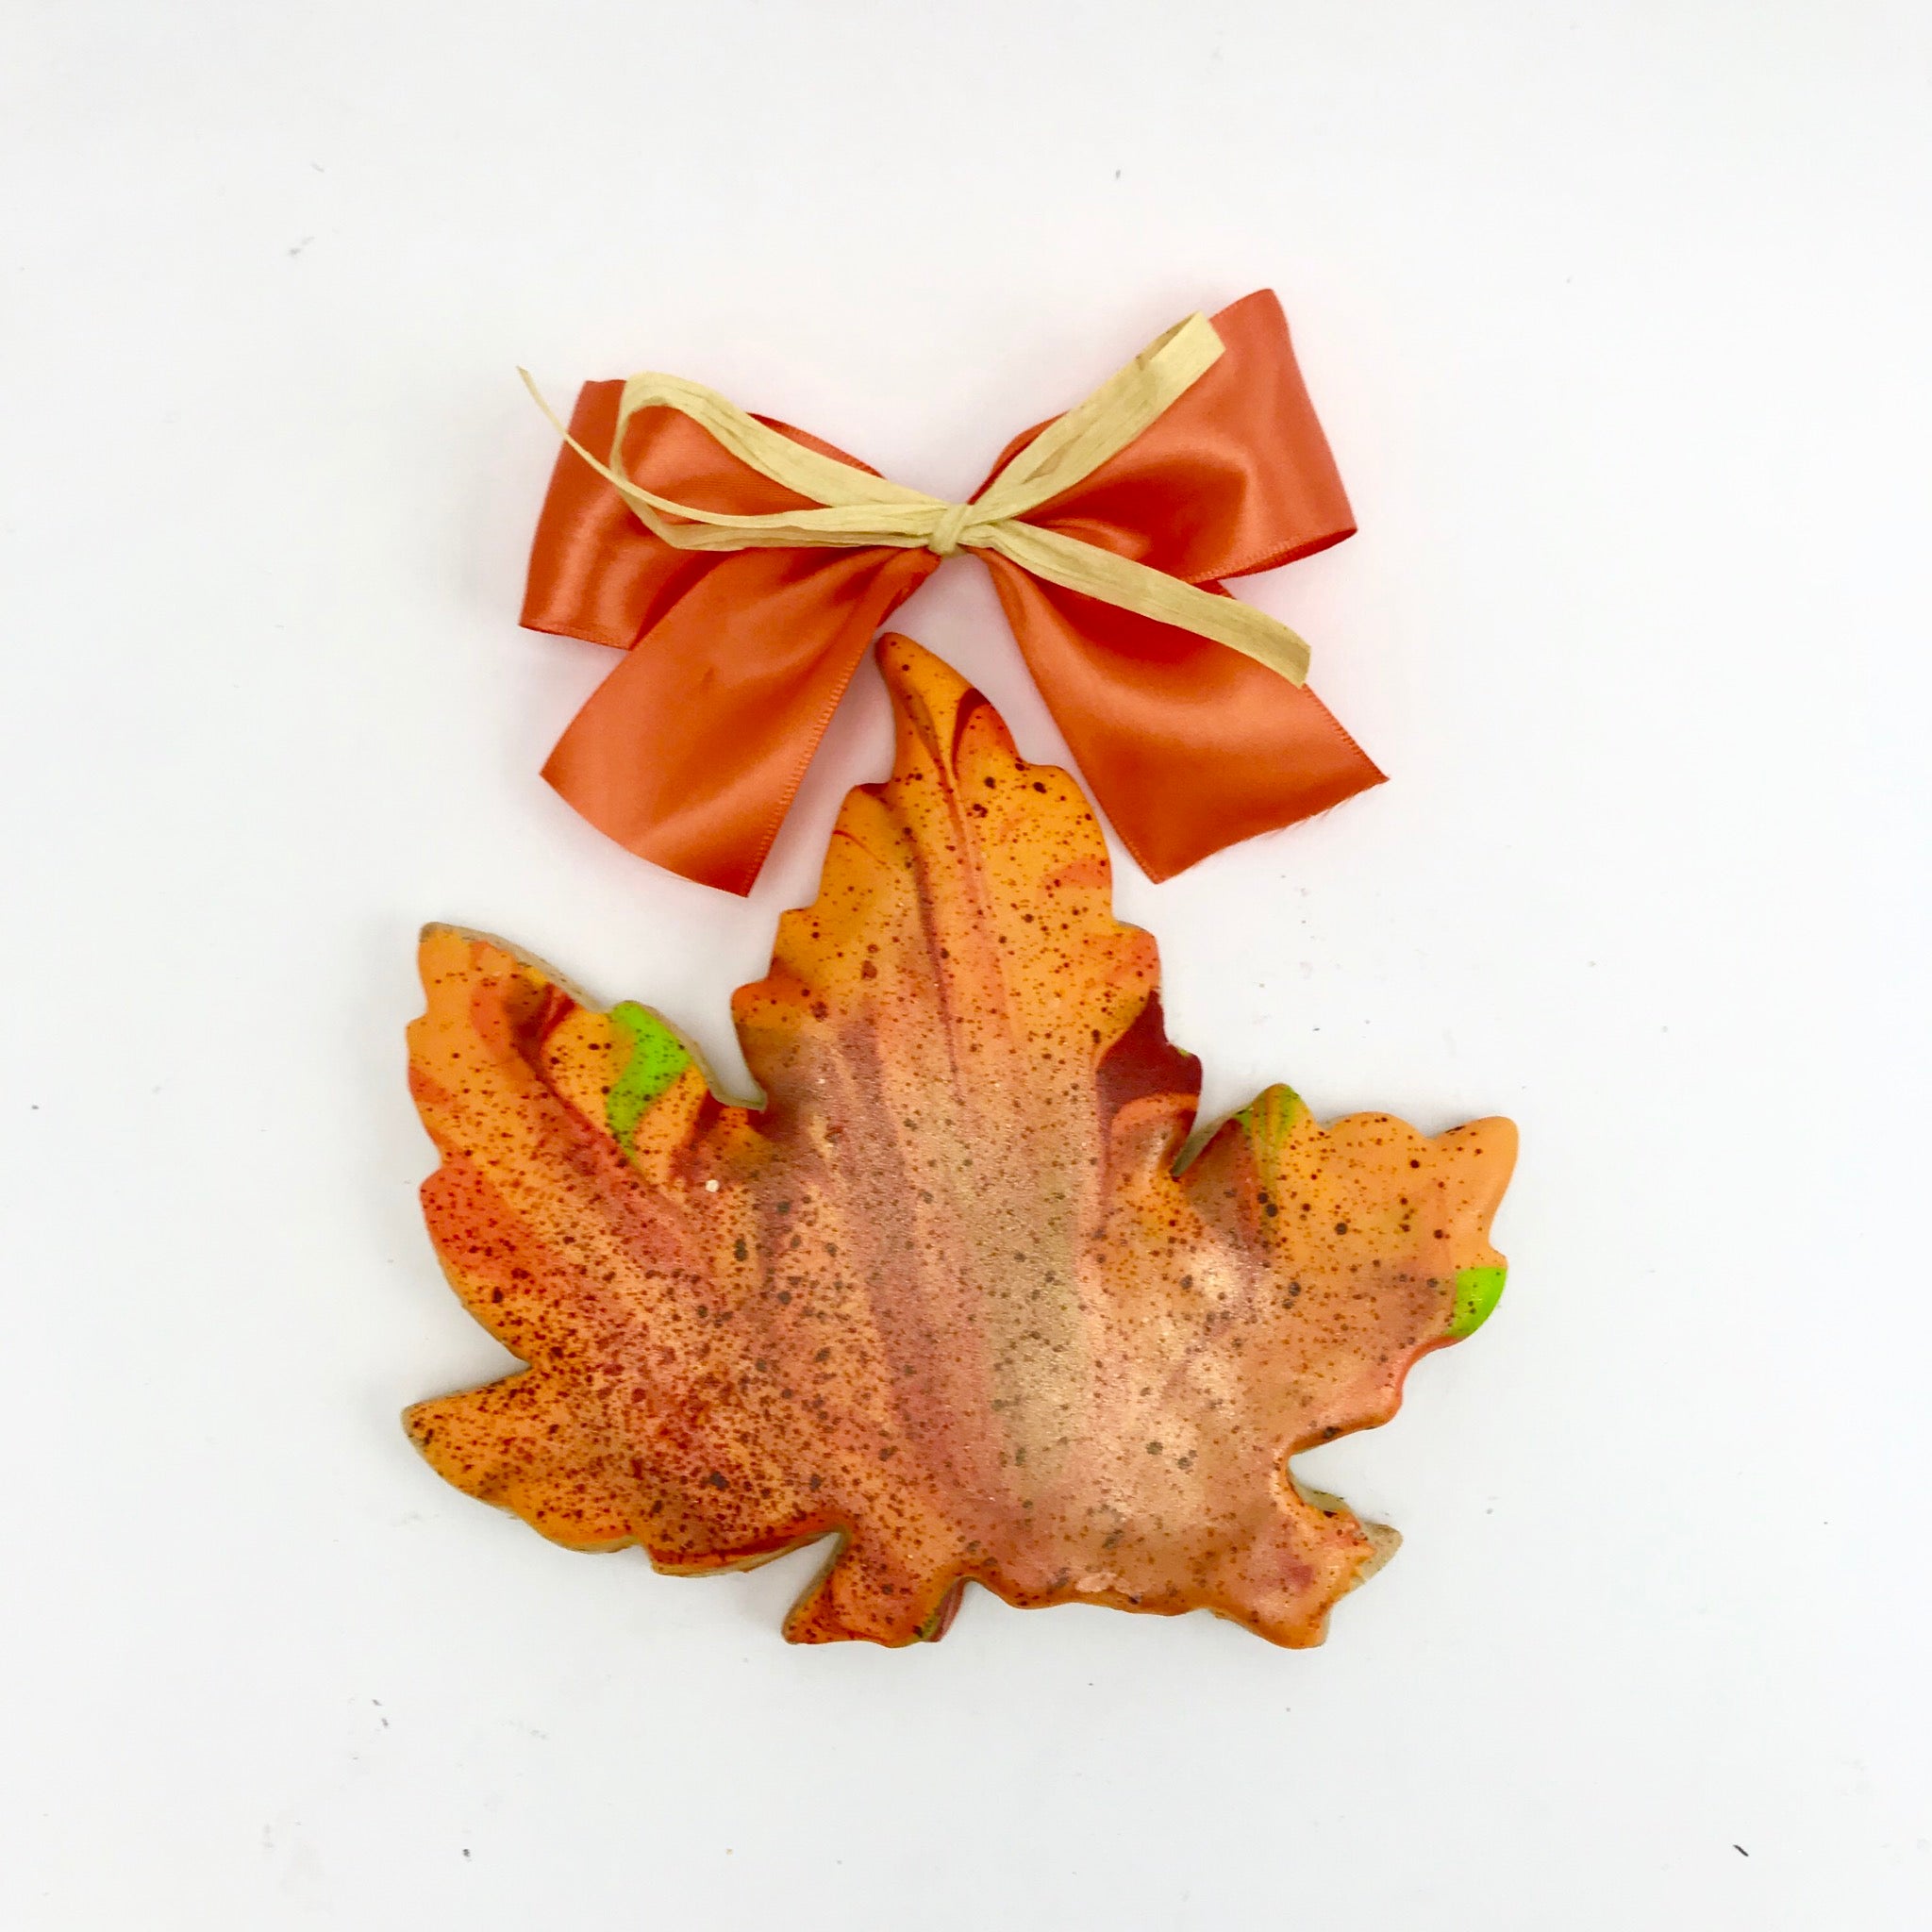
{"x":1616,"y":316}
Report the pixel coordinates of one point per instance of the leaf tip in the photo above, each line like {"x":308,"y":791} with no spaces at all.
{"x":1270,"y":1117}
{"x":1477,"y":1291}
{"x":654,"y":1057}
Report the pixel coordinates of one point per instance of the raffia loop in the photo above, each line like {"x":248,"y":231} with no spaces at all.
{"x":857,"y":510}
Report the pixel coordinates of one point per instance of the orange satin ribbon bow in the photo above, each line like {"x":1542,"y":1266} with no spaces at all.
{"x":690,"y":753}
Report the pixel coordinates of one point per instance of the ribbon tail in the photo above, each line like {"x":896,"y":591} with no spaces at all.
{"x":690,"y":753}
{"x":1187,"y":746}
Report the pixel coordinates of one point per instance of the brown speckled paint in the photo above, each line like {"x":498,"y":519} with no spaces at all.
{"x":945,"y":1295}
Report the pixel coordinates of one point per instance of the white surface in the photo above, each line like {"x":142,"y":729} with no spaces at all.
{"x":1617,"y":318}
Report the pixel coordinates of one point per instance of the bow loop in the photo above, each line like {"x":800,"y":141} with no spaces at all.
{"x":1106,"y":531}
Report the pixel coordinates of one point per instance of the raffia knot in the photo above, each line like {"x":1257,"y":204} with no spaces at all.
{"x":946,"y":533}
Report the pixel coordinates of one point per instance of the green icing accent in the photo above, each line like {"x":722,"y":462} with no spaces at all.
{"x":1477,"y":1291}
{"x":655,"y":1058}
{"x":1269,"y":1119}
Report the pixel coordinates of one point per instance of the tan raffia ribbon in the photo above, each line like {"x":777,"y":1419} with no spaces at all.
{"x":857,"y":510}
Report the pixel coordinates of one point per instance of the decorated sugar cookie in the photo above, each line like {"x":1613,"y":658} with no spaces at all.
{"x":958,"y":1291}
